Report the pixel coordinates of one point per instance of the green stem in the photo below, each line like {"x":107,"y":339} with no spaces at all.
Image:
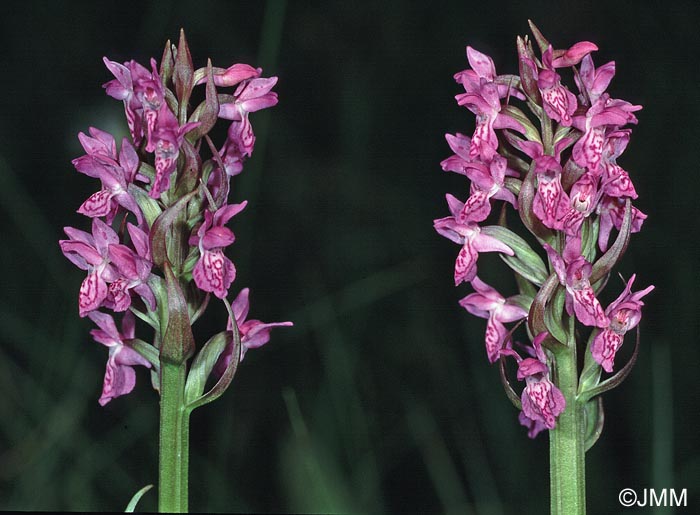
{"x":174,"y":439}
{"x":566,"y":441}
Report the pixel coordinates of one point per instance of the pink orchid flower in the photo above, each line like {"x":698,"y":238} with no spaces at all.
{"x":487,"y":303}
{"x":623,"y":315}
{"x":214,"y":272}
{"x":467,"y":233}
{"x":120,"y":377}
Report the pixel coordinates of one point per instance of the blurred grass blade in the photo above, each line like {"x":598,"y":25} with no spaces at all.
{"x":136,"y":498}
{"x":437,"y":459}
{"x":29,"y":218}
{"x":662,"y":416}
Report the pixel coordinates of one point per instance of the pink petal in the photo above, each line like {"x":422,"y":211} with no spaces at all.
{"x":119,"y":380}
{"x":80,"y":254}
{"x":241,"y":305}
{"x":233,"y":75}
{"x":574,"y":54}
{"x":531,"y":367}
{"x":124,"y":258}
{"x":104,"y":236}
{"x":484,"y":243}
{"x":225,"y":213}
{"x":254,"y":89}
{"x":481,"y":64}
{"x":106,"y":323}
{"x":139,"y":240}
{"x":460,"y":145}
{"x":218,"y":237}
{"x":258,"y":333}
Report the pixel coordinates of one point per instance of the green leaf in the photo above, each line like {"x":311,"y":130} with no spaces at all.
{"x":178,"y":340}
{"x":525,"y":287}
{"x":207,"y":113}
{"x":589,"y":238}
{"x":522,"y":300}
{"x":590,"y":375}
{"x":190,"y":262}
{"x":204,"y":363}
{"x":225,"y":380}
{"x":526,"y":261}
{"x":136,"y":498}
{"x":594,"y":417}
{"x":554,"y":315}
{"x":513,"y":185}
{"x":536,"y":318}
{"x":146,"y":350}
{"x":510,"y":393}
{"x":161,"y":226}
{"x":149,"y":206}
{"x":608,"y":260}
{"x":155,"y":379}
{"x":531,"y":133}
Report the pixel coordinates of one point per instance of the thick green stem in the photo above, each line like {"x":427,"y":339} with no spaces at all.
{"x":174,"y":439}
{"x":566,"y":441}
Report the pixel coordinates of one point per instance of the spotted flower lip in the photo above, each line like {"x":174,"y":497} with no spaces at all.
{"x":550,"y":201}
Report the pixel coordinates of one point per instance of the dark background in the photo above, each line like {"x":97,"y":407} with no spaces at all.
{"x":380,"y":399}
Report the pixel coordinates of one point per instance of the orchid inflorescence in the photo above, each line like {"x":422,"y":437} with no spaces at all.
{"x":156,"y":249}
{"x":557,"y":168}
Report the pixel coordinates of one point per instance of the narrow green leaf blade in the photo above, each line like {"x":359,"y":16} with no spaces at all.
{"x":204,"y":363}
{"x":136,"y":498}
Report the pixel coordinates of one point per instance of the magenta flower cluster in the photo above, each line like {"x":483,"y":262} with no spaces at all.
{"x":550,"y":153}
{"x":156,"y":249}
